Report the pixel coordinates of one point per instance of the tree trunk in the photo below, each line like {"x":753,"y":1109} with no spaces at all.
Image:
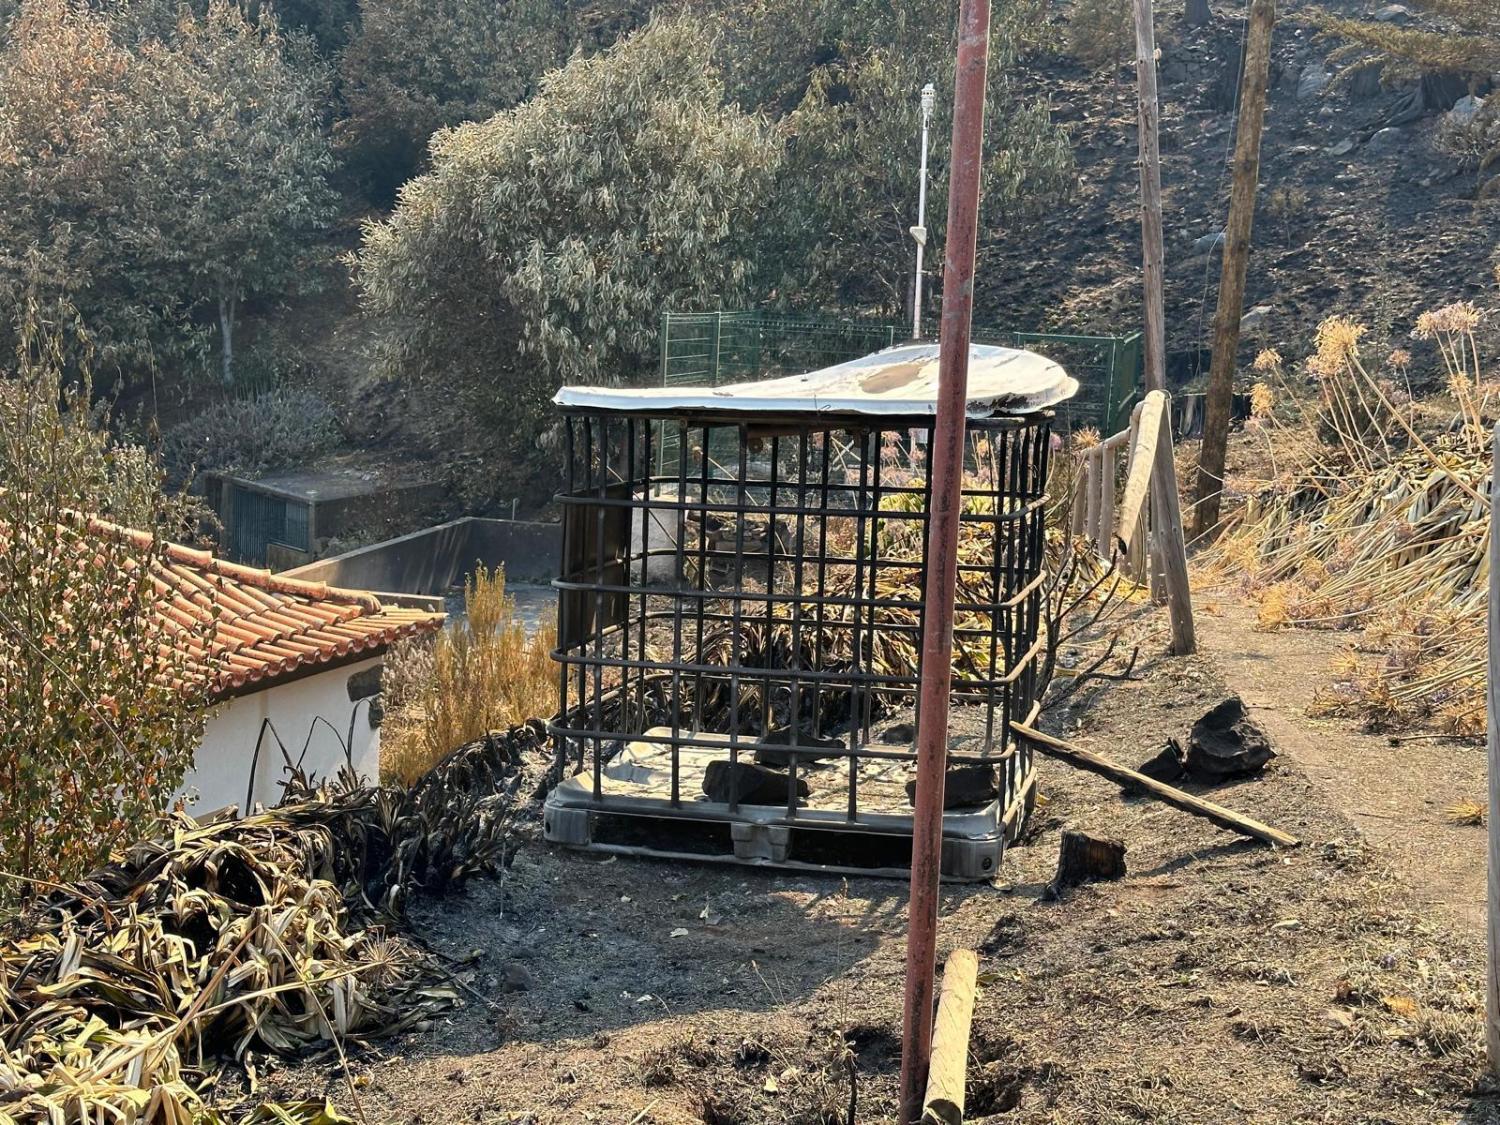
{"x":1153,"y":253}
{"x":227,"y":303}
{"x":1198,"y":13}
{"x":1226,"y":344}
{"x":1082,"y":858}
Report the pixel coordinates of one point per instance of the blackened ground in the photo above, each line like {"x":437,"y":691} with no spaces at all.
{"x":1220,"y":981}
{"x":1379,"y":227}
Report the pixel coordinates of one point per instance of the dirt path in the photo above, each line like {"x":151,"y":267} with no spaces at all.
{"x":1395,"y":794}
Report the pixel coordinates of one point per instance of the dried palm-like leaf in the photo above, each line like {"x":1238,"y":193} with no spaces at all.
{"x":118,"y":993}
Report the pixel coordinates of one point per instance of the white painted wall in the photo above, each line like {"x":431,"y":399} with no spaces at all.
{"x":221,"y":768}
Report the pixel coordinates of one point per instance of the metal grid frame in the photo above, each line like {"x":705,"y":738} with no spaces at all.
{"x":762,"y":596}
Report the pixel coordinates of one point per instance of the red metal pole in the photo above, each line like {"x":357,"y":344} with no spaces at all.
{"x":946,"y":479}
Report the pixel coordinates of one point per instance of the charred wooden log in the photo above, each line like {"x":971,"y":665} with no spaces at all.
{"x":1082,"y":858}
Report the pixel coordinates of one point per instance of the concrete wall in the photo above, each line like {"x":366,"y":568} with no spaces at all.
{"x":221,"y":773}
{"x":433,"y":561}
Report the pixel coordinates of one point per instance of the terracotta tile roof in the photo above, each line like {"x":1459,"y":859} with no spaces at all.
{"x":265,"y":628}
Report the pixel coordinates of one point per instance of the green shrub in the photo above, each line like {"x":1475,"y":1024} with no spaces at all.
{"x":100,"y":709}
{"x":282,"y":428}
{"x":546,"y":241}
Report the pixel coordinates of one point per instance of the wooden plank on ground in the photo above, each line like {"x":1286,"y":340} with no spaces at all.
{"x":948,"y":1073}
{"x":1177,"y":798}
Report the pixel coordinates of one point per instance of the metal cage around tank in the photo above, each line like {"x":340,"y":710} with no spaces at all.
{"x":739,"y":628}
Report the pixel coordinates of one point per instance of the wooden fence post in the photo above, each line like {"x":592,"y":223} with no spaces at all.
{"x":1080,"y":497}
{"x":1106,"y":540}
{"x":1166,"y":509}
{"x":948,"y":1076}
{"x":1492,"y":703}
{"x":1157,"y":478}
{"x":1096,"y":470}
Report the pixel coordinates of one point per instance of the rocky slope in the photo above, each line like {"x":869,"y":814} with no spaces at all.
{"x":1359,"y":212}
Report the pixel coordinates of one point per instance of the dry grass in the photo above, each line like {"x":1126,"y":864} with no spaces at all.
{"x":1376,"y":518}
{"x":1100,"y":34}
{"x":480,"y":674}
{"x":1467,"y":812}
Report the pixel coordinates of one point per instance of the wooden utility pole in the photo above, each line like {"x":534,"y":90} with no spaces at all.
{"x":1492,"y":700}
{"x":1167,"y":546}
{"x":1226,"y":344}
{"x":1153,"y":252}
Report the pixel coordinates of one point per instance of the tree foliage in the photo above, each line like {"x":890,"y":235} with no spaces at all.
{"x":844,"y":79}
{"x":150,"y":180}
{"x":545,"y":241}
{"x":99,"y":710}
{"x":236,"y":135}
{"x":417,"y":66}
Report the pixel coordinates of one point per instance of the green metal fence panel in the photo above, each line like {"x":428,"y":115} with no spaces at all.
{"x":710,"y":349}
{"x":714,"y":348}
{"x":1107,"y":369}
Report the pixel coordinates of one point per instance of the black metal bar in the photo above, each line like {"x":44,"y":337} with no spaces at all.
{"x":826,"y":448}
{"x":746,"y":628}
{"x":677,"y":603}
{"x":599,"y":607}
{"x":767,"y":717}
{"x":857,"y":638}
{"x":736,"y":640}
{"x":648,"y":523}
{"x":701,"y":580}
{"x":562,"y":669}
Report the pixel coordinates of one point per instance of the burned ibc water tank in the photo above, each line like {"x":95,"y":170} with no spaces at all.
{"x":741,"y":603}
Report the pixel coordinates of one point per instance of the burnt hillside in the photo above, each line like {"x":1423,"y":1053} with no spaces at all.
{"x":1359,"y":211}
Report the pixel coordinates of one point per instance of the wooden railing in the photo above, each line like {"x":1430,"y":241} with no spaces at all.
{"x":1145,"y":540}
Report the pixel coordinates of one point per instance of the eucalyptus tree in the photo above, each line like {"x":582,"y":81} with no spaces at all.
{"x":154,"y":179}
{"x":544,"y":243}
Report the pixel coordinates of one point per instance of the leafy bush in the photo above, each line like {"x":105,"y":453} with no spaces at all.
{"x":545,"y":242}
{"x":479,"y":674}
{"x":99,"y":709}
{"x":282,"y":428}
{"x":416,"y":67}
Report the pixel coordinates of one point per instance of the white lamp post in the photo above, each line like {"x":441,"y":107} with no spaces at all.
{"x":919,"y":232}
